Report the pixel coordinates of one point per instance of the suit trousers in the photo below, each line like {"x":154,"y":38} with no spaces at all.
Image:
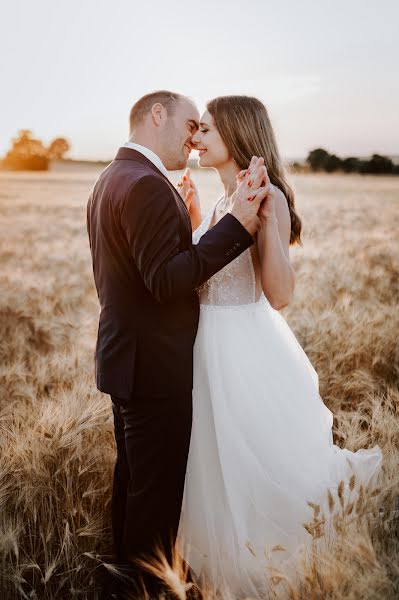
{"x":152,"y":437}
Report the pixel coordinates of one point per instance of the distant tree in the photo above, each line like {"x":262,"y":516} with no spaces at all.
{"x":351,"y":164}
{"x":378,"y":165}
{"x":25,"y":145}
{"x":320,"y":159}
{"x":332,"y":163}
{"x":317,"y":159}
{"x":58,"y":148}
{"x":30,"y":154}
{"x":362,"y":166}
{"x":26,"y":153}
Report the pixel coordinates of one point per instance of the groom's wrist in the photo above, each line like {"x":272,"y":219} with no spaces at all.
{"x":247,"y":237}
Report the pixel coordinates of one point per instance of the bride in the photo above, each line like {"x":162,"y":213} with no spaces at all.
{"x":261,"y":444}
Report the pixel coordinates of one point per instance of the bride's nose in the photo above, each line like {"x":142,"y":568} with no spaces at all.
{"x":195,"y":139}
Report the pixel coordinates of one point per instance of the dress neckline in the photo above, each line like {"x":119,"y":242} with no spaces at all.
{"x":212,"y":213}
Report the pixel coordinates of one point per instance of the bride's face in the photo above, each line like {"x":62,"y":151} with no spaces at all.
{"x":212,"y":150}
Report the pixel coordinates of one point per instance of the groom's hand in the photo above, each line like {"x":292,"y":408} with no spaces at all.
{"x":249,"y":195}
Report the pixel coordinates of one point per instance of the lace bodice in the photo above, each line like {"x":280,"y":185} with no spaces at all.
{"x":235,"y":284}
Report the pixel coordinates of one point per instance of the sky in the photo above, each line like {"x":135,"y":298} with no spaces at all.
{"x":326,"y":70}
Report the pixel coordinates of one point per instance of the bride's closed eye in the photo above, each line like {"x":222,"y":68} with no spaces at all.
{"x":204,"y":130}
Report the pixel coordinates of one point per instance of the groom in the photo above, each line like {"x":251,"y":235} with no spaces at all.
{"x":146,"y":271}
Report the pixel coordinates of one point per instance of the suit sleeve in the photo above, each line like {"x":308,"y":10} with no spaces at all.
{"x":150,"y":220}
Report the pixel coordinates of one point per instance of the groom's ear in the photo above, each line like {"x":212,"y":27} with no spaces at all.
{"x":158,"y":113}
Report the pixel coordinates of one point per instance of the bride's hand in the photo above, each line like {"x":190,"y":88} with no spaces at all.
{"x":267,"y":208}
{"x":189,"y":192}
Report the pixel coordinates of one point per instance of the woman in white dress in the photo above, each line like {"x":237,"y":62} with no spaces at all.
{"x":261,"y":443}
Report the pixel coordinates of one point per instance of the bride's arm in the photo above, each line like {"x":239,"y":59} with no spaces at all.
{"x":273,"y":237}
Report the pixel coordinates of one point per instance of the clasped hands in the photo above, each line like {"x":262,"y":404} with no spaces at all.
{"x":252,"y":184}
{"x":257,"y":174}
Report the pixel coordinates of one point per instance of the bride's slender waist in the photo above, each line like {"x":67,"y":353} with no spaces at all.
{"x":259,"y":304}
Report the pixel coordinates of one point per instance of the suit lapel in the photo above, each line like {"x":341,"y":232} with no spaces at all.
{"x":125,"y":153}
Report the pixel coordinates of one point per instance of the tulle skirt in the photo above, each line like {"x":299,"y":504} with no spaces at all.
{"x":261,"y":448}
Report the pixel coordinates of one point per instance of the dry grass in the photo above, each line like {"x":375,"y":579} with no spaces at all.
{"x":57,"y":447}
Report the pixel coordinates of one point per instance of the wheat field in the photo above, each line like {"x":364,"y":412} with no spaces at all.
{"x":56,"y":429}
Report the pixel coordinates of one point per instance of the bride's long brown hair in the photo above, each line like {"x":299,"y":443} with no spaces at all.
{"x":245,"y":128}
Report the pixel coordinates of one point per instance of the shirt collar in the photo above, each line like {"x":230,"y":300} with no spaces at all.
{"x":154,"y":158}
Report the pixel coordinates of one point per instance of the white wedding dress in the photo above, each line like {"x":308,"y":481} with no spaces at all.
{"x":261,"y":443}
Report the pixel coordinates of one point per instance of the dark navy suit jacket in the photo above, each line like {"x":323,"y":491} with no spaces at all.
{"x":146,"y":270}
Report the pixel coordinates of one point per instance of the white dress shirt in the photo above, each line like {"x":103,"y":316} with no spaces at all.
{"x":154,"y":158}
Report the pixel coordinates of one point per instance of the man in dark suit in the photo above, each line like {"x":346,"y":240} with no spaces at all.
{"x":146,"y":272}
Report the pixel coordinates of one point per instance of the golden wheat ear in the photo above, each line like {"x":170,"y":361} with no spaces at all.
{"x":173,"y":575}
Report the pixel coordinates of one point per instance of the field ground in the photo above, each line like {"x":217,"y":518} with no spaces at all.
{"x":57,"y":447}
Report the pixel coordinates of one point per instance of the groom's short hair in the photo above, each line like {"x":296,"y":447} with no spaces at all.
{"x":143,"y":106}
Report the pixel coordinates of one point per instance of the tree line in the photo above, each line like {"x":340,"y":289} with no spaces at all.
{"x":321,"y":160}
{"x":30,"y":154}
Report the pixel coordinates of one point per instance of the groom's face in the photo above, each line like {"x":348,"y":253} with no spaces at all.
{"x":177,"y":134}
